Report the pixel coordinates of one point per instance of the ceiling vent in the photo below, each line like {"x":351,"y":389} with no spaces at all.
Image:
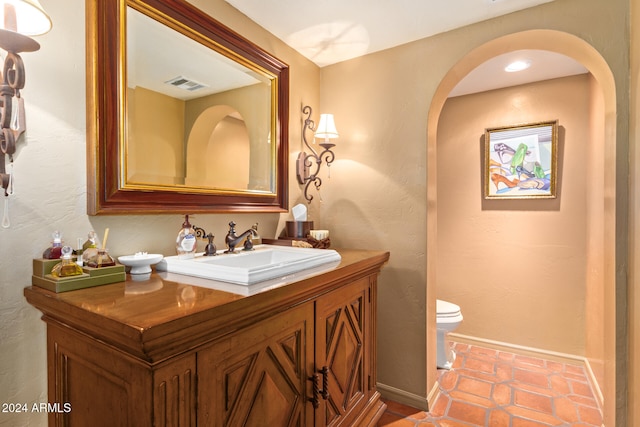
{"x":185,"y":83}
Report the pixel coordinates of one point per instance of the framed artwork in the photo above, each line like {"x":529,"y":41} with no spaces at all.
{"x":521,"y":161}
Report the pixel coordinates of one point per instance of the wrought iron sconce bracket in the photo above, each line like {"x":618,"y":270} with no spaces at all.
{"x":308,"y":165}
{"x":20,"y":19}
{"x":12,"y":115}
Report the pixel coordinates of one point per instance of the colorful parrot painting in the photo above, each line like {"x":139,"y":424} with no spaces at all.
{"x":518,"y":157}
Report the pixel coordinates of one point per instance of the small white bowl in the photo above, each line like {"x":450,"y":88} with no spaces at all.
{"x":140,"y":263}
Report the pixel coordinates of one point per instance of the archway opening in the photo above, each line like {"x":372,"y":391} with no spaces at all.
{"x":217,"y":142}
{"x":600,"y":286}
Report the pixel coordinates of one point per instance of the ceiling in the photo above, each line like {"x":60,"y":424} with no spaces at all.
{"x":331,"y":31}
{"x":162,"y":60}
{"x":491,"y":75}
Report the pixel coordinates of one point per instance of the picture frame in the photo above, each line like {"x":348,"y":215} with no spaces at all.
{"x":521,"y":162}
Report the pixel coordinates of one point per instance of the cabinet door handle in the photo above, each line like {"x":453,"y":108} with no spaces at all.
{"x":315,"y":379}
{"x":325,"y":382}
{"x":324,"y":391}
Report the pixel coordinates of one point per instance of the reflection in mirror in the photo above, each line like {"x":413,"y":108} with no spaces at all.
{"x":183,"y":114}
{"x":220,"y":137}
{"x":204,"y":118}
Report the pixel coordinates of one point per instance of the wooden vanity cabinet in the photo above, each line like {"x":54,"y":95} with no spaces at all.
{"x":299,"y":355}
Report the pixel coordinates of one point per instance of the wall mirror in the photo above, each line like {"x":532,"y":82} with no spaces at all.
{"x":183,"y":114}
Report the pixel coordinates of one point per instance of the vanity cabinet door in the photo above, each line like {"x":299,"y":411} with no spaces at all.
{"x":258,"y":376}
{"x":343,"y":348}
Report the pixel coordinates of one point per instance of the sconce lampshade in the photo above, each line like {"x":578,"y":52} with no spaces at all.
{"x":26,"y":17}
{"x":326,"y":128}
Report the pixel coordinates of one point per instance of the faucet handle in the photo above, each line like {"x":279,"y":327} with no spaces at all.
{"x":210,"y":249}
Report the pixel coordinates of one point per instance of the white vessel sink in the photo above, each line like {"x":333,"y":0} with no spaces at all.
{"x":248,"y":267}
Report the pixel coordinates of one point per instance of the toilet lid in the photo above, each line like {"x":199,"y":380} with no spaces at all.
{"x":446,"y":309}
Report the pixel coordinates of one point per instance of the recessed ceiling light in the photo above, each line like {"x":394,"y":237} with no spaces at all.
{"x":517,"y":66}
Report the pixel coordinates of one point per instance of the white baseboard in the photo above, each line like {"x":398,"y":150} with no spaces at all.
{"x":534,"y":352}
{"x":410,"y":399}
{"x":597,"y":392}
{"x":519,"y":349}
{"x":433,"y":395}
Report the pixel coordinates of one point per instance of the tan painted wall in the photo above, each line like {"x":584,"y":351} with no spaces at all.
{"x":517,"y":268}
{"x":380,"y":195}
{"x":155,"y":145}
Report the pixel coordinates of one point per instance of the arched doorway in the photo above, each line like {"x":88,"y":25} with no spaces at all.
{"x":216,"y":141}
{"x":604,"y":226}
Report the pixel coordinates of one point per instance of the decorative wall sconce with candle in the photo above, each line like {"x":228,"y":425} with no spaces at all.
{"x":19,"y":19}
{"x":308,"y":165}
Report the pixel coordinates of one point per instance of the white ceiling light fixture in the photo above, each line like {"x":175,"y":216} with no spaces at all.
{"x":516,"y":66}
{"x":26,"y":17}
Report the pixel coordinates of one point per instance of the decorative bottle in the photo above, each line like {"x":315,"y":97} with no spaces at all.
{"x":66,"y":267}
{"x":55,"y":250}
{"x":91,"y":241}
{"x":100,"y":259}
{"x":186,"y":240}
{"x":90,"y":247}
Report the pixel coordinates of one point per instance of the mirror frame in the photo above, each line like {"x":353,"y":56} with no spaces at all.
{"x":107,"y":103}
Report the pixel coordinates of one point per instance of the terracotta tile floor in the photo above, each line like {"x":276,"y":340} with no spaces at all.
{"x":493,"y":388}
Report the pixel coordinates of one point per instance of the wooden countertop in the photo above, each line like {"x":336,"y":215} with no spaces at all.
{"x":151,"y":325}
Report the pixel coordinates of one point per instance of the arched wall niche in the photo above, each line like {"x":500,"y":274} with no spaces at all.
{"x":217,"y":139}
{"x":578,"y":49}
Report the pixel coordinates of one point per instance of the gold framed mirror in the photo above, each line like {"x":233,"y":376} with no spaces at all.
{"x":183,"y":114}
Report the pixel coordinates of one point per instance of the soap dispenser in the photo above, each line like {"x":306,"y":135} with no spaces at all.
{"x":186,"y":240}
{"x":55,"y":250}
{"x":66,"y":267}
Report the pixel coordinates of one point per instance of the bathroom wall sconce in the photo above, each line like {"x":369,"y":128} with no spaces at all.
{"x":326,"y":130}
{"x":19,"y":19}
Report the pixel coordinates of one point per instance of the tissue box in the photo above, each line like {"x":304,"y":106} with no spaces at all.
{"x":299,"y":229}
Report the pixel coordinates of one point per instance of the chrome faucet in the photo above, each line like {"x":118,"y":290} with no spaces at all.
{"x":232,"y":239}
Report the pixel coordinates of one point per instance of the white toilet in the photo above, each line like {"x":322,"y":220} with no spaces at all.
{"x":448,"y":318}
